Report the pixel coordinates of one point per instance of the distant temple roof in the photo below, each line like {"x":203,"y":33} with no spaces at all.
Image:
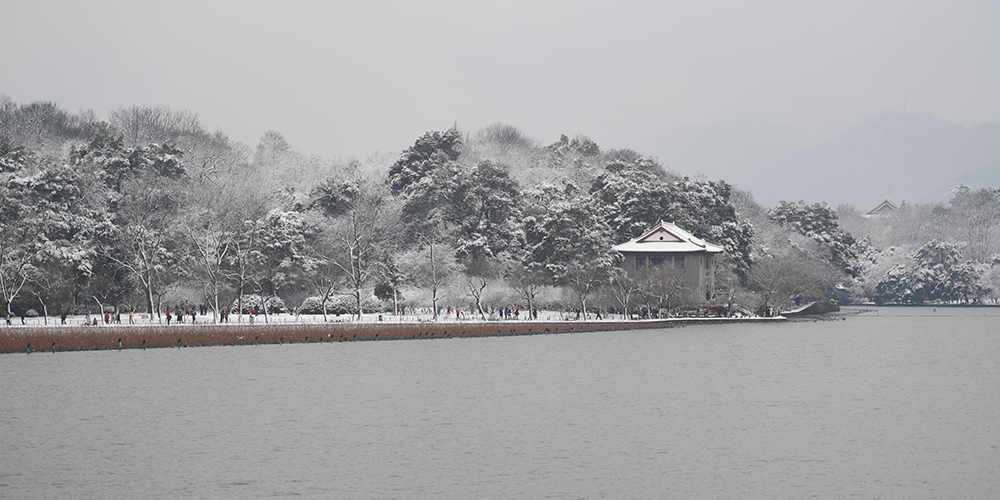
{"x":883,"y":208}
{"x":667,"y":238}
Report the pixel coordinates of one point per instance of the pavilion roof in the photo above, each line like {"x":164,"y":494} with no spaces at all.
{"x":882,"y":208}
{"x":667,"y":237}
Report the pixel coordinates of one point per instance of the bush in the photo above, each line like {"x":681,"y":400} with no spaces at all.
{"x":314,"y":305}
{"x":274,"y":304}
{"x":340,"y":305}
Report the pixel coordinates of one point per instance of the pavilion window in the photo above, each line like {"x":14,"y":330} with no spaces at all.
{"x":640,"y":262}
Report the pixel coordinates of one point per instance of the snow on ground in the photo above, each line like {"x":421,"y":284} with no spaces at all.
{"x":289,"y":319}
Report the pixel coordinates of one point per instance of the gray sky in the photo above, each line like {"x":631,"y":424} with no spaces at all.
{"x":349,"y":79}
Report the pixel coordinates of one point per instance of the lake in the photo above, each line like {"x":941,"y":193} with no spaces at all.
{"x":891,"y":403}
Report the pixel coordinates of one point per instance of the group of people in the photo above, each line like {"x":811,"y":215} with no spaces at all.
{"x":508,"y":313}
{"x":181,"y":314}
{"x":504,"y":313}
{"x":108,"y":319}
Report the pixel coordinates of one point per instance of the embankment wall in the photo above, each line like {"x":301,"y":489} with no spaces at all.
{"x":56,"y":339}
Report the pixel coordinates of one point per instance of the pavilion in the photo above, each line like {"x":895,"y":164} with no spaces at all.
{"x":669,"y":245}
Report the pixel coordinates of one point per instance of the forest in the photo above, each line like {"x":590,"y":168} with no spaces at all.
{"x":146,"y":211}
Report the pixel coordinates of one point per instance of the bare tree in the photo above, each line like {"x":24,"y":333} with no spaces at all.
{"x":212,"y":226}
{"x":479,"y":273}
{"x":238,"y":266}
{"x":781,"y":280}
{"x":15,"y":267}
{"x":623,"y":286}
{"x":528,"y":281}
{"x":140,"y":125}
{"x":431,"y":265}
{"x":225,"y":196}
{"x":666,"y":285}
{"x":585,"y":278}
{"x":357,"y":229}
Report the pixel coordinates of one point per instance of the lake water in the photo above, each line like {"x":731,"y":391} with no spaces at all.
{"x":898,"y":403}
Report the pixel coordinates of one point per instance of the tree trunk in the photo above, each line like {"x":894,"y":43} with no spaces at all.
{"x":263,"y":305}
{"x":357,"y":301}
{"x":479,"y":305}
{"x":45,"y":310}
{"x":100,"y":315}
{"x":13,"y":292}
{"x":434,"y":281}
{"x":218,"y":311}
{"x":149,"y":300}
{"x":239,"y":305}
{"x":476,"y":289}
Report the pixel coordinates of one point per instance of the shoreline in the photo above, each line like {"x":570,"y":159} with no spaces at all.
{"x":81,"y":338}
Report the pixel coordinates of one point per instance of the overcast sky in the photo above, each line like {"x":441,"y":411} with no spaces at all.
{"x":346,"y":79}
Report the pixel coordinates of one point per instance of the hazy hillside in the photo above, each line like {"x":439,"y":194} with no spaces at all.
{"x":915,"y":157}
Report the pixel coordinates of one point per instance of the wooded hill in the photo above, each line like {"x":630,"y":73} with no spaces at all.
{"x":147,"y":210}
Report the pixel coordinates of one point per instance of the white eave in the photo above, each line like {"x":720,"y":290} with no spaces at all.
{"x":667,"y":238}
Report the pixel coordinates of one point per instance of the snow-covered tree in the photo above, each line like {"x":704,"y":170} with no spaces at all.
{"x":278,"y":253}
{"x":634,"y":195}
{"x":978,"y":213}
{"x":473,"y":209}
{"x":430,"y":152}
{"x":936,"y":273}
{"x":12,"y":156}
{"x":144,"y":197}
{"x":572,"y":244}
{"x":63,"y":226}
{"x":819,"y":223}
{"x":45,"y":229}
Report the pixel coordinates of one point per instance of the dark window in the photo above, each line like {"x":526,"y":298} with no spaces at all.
{"x":640,"y":262}
{"x":656,"y":260}
{"x":679,"y":261}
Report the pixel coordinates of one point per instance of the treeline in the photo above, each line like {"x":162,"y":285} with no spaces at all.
{"x":148,"y":210}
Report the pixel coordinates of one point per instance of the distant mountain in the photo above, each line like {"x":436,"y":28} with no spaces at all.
{"x":916,"y":157}
{"x":738,"y":151}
